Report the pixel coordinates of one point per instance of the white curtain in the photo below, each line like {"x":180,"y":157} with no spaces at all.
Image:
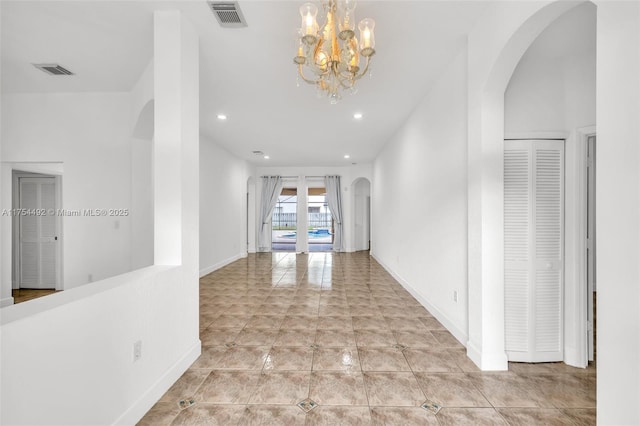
{"x":271,"y":189}
{"x":334,"y":199}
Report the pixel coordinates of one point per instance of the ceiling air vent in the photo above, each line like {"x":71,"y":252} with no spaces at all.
{"x":53,"y":69}
{"x":228,"y":14}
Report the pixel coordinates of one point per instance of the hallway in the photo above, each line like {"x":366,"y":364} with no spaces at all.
{"x":332,"y":338}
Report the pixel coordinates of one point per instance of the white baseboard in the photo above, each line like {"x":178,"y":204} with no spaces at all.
{"x":210,"y":269}
{"x":459,"y":334}
{"x":7,"y":301}
{"x":155,"y":392}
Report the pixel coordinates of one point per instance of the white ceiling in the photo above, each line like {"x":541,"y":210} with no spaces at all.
{"x":246,"y":73}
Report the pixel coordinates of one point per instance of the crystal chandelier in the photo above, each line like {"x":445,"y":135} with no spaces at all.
{"x":331,"y":53}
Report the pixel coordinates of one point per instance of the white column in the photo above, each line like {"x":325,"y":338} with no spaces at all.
{"x":176,"y":151}
{"x":618,"y":212}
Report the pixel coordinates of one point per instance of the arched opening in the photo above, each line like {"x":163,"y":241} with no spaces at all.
{"x":490,"y":70}
{"x":552,"y":96}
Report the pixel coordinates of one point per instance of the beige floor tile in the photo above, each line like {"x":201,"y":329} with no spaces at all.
{"x":286,"y":387}
{"x":430,"y":360}
{"x":230,"y":321}
{"x":335,"y":323}
{"x":470,"y":417}
{"x":382,"y":359}
{"x":209,"y":357}
{"x":228,"y":387}
{"x":272,"y":415}
{"x":535,"y":416}
{"x":566,"y":390}
{"x":289,"y":359}
{"x":299,"y":322}
{"x":297,"y":338}
{"x":332,"y":416}
{"x":375,"y":338}
{"x":581,"y":416}
{"x":256,"y":337}
{"x":506,"y":389}
{"x":263,"y":322}
{"x":459,"y":356}
{"x":186,"y":386}
{"x":243,"y":358}
{"x":446,"y":339}
{"x":369,"y":323}
{"x":337,"y":388}
{"x":162,"y":413}
{"x":218,"y":337}
{"x":336,"y":359}
{"x":335,"y":338}
{"x":451,"y":390}
{"x":209,"y":415}
{"x":402,"y":416}
{"x":406,"y":324}
{"x":416,"y":339}
{"x":395,"y":389}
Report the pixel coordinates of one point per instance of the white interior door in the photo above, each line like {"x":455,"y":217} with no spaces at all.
{"x":38,"y":257}
{"x":534,"y":247}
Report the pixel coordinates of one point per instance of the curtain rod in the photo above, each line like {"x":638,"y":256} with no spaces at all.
{"x":291,"y":177}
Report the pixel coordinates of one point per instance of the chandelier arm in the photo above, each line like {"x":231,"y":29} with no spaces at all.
{"x":364,"y":71}
{"x":305,"y":79}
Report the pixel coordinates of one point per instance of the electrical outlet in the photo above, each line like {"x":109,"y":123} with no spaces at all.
{"x":455,"y":295}
{"x":137,"y":350}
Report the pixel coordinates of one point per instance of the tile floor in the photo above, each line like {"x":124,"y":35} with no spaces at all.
{"x":333,"y":339}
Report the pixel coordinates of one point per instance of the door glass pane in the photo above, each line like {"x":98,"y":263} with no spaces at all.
{"x":320,"y":221}
{"x":284,"y":221}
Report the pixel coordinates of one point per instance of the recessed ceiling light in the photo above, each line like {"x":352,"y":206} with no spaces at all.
{"x":347,"y":156}
{"x":266,"y":157}
{"x":222,"y":117}
{"x":357,"y":115}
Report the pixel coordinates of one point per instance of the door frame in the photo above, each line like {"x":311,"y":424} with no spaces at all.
{"x":584,"y":354}
{"x":15,"y":226}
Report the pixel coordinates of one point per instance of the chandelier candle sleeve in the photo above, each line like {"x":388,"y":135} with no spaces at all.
{"x":330,"y":56}
{"x":367,"y":42}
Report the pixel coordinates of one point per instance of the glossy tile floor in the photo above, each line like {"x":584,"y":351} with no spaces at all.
{"x":332,"y":339}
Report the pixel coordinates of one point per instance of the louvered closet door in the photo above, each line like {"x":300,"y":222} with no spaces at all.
{"x":533,"y":246}
{"x":38,"y":250}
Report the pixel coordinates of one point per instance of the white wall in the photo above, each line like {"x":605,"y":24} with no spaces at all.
{"x":552,"y":93}
{"x":419,"y":201}
{"x":89,"y":133}
{"x":223,"y":213}
{"x":72,"y":352}
{"x":618,"y":213}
